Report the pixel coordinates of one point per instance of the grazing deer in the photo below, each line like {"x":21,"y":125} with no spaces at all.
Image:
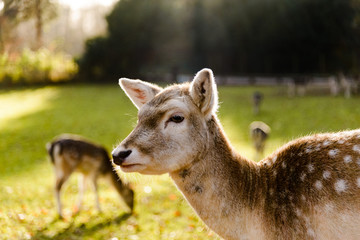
{"x":259,"y":132}
{"x":71,"y":153}
{"x":308,"y":189}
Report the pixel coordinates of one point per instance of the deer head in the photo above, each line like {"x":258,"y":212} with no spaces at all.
{"x":171,"y":130}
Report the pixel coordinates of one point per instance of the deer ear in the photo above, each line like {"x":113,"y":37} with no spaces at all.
{"x":138,"y":91}
{"x":204,"y":92}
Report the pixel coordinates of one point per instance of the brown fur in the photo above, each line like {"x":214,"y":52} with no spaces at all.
{"x":308,"y":189}
{"x":71,"y":153}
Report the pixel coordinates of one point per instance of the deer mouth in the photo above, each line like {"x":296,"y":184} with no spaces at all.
{"x":131,"y":167}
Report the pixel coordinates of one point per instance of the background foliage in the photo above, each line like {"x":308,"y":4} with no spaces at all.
{"x":231,"y":37}
{"x":154,"y":38}
{"x":41,"y":66}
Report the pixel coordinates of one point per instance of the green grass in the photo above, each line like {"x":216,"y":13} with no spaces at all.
{"x":31,"y":117}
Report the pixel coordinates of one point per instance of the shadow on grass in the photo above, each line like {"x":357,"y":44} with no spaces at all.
{"x":77,"y":230}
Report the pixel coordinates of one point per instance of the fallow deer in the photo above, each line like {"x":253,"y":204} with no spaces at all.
{"x":259,"y":132}
{"x":308,"y":189}
{"x":71,"y":153}
{"x":257,"y":99}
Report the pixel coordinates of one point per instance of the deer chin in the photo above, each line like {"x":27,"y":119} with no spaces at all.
{"x":143,"y":168}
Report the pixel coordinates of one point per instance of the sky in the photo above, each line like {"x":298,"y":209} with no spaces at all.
{"x":78,"y":4}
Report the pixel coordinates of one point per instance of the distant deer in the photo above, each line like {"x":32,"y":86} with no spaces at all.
{"x":259,"y":132}
{"x":346,"y":84}
{"x":308,"y":189}
{"x":334,"y":86}
{"x":257,"y":99}
{"x":71,"y":153}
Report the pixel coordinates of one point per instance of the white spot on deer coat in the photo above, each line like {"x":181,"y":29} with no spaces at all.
{"x":302,"y":176}
{"x":310,"y":168}
{"x":303,"y":198}
{"x":274,"y":159}
{"x":340,"y":186}
{"x":326,"y":174}
{"x":358,"y":162}
{"x":358,"y":182}
{"x":271,"y":191}
{"x":347,"y":159}
{"x":283,"y":165}
{"x":318,"y":185}
{"x":356,"y":148}
{"x":326,"y":143}
{"x":310,"y":232}
{"x":308,"y":149}
{"x":333,"y":152}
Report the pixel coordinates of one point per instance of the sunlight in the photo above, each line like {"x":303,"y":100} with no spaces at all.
{"x":80,"y":4}
{"x":1,"y":5}
{"x":18,"y":104}
{"x":235,"y":136}
{"x":242,"y":142}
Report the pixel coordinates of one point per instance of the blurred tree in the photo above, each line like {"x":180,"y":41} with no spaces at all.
{"x":43,"y":11}
{"x":304,"y":36}
{"x":232,"y":37}
{"x":8,"y":20}
{"x":138,"y":33}
{"x":16,"y":11}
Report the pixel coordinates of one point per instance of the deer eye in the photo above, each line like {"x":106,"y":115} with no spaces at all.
{"x":176,"y":119}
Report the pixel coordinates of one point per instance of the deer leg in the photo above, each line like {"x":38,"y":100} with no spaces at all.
{"x":61,"y":178}
{"x":62,"y":173}
{"x":82,"y":186}
{"x":58,"y":185}
{"x":95,"y":188}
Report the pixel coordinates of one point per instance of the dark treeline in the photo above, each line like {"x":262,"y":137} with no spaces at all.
{"x":230,"y":36}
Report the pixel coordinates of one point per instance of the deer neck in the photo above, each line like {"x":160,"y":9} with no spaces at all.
{"x":221,"y":186}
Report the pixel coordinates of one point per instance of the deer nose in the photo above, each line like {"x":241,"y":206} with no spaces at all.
{"x":120,"y":156}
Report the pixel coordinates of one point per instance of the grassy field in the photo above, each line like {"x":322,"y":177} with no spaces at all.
{"x":31,"y":117}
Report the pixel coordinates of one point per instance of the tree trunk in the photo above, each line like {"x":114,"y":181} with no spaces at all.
{"x":39,"y":24}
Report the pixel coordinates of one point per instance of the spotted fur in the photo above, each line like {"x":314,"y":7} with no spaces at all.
{"x":308,"y":189}
{"x":70,"y":153}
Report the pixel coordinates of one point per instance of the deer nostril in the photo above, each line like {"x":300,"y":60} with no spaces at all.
{"x":119,"y":157}
{"x":124,"y":154}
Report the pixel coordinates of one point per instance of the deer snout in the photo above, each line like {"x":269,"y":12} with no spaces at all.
{"x":119,"y":156}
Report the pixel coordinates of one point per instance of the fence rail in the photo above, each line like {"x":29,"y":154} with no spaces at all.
{"x":297,"y":85}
